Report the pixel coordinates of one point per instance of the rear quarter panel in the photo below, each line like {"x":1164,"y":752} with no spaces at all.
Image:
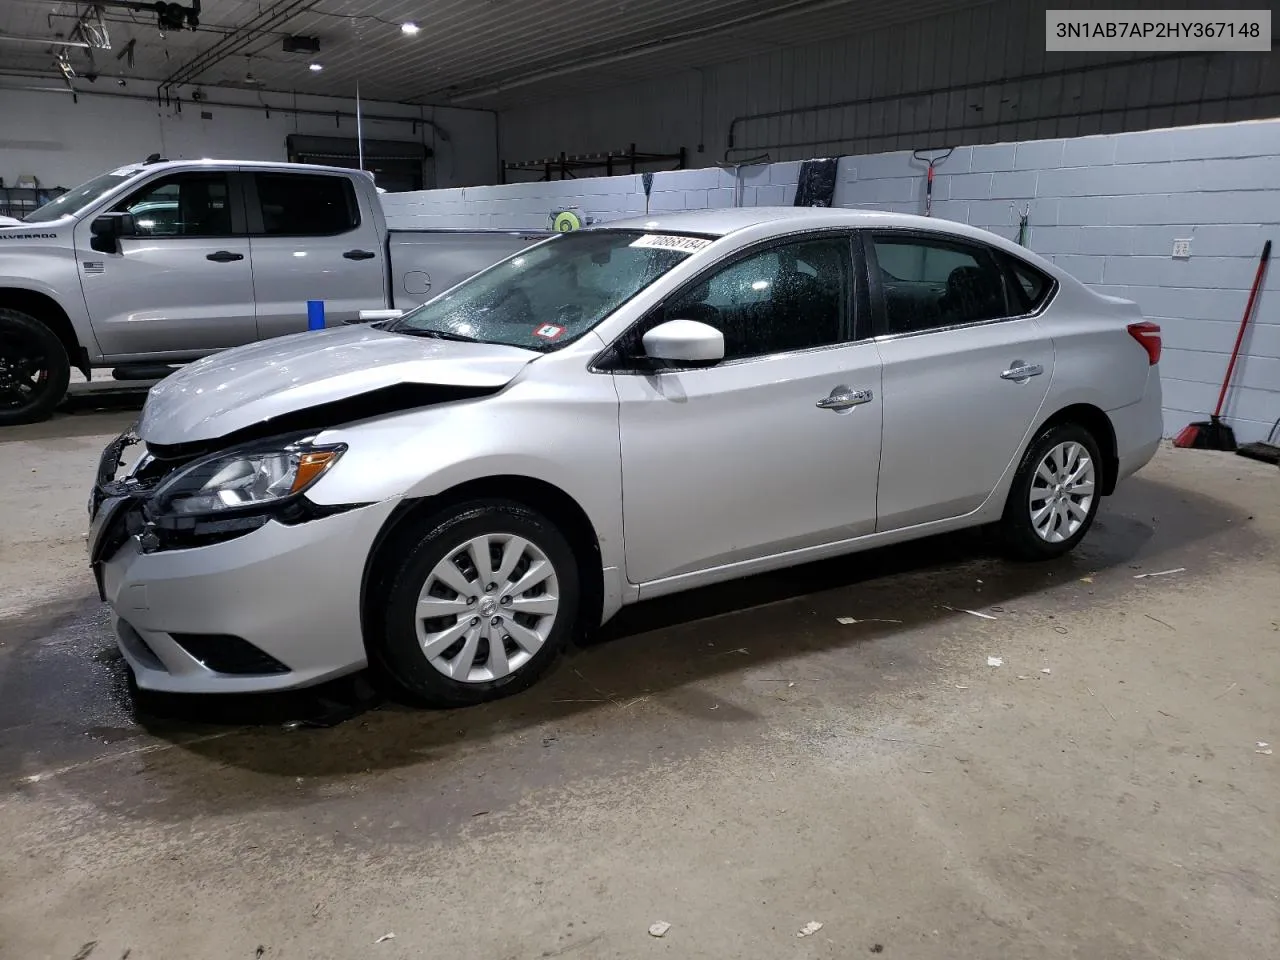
{"x":1096,"y":361}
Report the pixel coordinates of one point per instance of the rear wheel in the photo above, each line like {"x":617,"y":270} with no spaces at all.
{"x":1055,"y":494}
{"x":480,"y":606}
{"x":34,"y":368}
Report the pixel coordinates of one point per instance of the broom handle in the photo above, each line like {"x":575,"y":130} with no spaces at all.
{"x":1244,"y":322}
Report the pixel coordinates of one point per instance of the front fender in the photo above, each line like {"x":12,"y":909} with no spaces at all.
{"x":555,"y":433}
{"x":50,"y":270}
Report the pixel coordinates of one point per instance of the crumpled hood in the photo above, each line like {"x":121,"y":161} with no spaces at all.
{"x":245,"y":386}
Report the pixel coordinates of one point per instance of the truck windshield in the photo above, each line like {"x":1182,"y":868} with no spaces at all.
{"x":552,"y":293}
{"x":79,"y":198}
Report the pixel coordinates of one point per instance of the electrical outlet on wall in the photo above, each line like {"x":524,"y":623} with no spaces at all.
{"x":1182,"y":249}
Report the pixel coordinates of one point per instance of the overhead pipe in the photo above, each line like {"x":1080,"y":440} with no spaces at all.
{"x":917,"y":94}
{"x":301,"y":111}
{"x":232,"y":43}
{"x":45,"y":41}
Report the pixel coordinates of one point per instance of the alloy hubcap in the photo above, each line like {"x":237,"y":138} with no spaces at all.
{"x":487,"y":608}
{"x":1062,"y":491}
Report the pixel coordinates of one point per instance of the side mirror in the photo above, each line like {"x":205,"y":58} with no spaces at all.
{"x":109,"y":229}
{"x":685,"y":341}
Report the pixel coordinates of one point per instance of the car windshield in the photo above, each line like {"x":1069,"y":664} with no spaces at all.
{"x":552,"y":293}
{"x":79,"y":198}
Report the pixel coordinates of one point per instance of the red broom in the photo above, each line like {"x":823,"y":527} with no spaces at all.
{"x":1213,"y":434}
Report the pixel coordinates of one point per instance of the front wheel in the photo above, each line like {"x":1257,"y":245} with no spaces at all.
{"x":480,"y":606}
{"x":1055,"y":494}
{"x":34,"y":369}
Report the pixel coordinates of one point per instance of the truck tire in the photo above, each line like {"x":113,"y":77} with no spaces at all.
{"x":34,"y":369}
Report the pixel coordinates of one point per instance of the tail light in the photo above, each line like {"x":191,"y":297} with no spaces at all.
{"x":1147,"y":334}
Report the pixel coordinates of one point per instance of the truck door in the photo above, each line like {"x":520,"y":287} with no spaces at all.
{"x":311,"y":241}
{"x":183,"y":284}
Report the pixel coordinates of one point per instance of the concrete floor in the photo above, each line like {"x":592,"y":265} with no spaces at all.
{"x":734,"y":762}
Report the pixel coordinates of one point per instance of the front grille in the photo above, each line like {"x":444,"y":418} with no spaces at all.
{"x":223,"y":653}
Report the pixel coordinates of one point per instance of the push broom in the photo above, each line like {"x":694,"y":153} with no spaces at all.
{"x":1213,"y":434}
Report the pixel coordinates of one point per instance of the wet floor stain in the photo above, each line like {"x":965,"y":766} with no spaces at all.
{"x":665,"y":680}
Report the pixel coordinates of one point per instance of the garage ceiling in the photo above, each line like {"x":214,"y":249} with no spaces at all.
{"x":479,"y":53}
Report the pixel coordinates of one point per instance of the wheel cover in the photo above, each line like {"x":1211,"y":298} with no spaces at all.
{"x":24,"y":370}
{"x":1062,"y":492}
{"x":487,"y":608}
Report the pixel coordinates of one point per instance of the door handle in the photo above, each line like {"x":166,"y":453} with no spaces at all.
{"x":225,"y":256}
{"x":842,"y":398}
{"x":1020,"y":372}
{"x":359,"y":254}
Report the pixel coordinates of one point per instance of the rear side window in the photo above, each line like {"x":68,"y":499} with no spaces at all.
{"x":929,"y":283}
{"x":1031,"y":288}
{"x":306,"y":205}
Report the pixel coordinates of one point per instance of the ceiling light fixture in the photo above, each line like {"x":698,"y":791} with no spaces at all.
{"x":315,"y":67}
{"x":409,"y":28}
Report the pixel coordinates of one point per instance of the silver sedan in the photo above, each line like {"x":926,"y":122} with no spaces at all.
{"x":611,"y":415}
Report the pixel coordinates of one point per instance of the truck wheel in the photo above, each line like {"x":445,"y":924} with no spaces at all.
{"x":34,"y":369}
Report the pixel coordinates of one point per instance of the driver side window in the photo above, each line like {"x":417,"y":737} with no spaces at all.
{"x":792,"y":296}
{"x":182,"y":205}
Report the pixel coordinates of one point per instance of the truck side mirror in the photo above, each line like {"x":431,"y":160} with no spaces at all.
{"x":109,"y":229}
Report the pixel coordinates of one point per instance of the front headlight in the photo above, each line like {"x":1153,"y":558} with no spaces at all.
{"x":245,"y":479}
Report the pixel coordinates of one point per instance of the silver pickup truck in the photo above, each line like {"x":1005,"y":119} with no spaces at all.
{"x":163,"y":262}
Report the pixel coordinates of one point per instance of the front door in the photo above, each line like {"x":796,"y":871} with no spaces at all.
{"x":774,"y":449}
{"x":311,"y":241}
{"x":964,"y":374}
{"x":184,"y":285}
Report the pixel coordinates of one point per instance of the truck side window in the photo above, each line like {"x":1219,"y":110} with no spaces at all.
{"x":306,"y":205}
{"x":182,"y":205}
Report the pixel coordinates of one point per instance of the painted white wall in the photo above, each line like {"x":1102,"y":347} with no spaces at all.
{"x":64,"y":143}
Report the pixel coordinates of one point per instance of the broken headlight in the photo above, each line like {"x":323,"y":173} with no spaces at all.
{"x":245,"y":480}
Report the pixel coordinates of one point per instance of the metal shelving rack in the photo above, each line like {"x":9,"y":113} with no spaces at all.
{"x":614,"y":162}
{"x":19,"y":201}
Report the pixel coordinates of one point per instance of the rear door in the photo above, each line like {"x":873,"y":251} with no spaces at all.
{"x":184,"y":285}
{"x":310,"y":241}
{"x":966,"y":370}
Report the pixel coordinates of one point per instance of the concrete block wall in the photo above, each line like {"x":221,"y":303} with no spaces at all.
{"x":1105,"y":208}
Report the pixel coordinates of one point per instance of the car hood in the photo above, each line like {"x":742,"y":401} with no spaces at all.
{"x":275,"y":381}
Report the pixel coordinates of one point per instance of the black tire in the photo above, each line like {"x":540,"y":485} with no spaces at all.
{"x":394,"y":645}
{"x":1017,"y":530}
{"x":34,"y":369}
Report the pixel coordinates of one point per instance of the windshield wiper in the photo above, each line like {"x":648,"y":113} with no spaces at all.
{"x":437,"y":334}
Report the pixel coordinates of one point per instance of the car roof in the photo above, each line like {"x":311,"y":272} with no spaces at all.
{"x":251,"y":164}
{"x":722,"y":222}
{"x":783,"y":220}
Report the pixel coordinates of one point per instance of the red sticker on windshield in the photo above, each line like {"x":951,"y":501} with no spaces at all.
{"x":549,"y":331}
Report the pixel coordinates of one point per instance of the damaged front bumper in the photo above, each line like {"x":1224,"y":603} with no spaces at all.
{"x":209,"y":609}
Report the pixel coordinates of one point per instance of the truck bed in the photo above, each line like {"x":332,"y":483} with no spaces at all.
{"x":425,"y":263}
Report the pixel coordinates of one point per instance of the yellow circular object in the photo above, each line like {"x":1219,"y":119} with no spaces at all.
{"x":564,"y":221}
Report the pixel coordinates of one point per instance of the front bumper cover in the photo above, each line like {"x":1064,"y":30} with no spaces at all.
{"x":290,"y":590}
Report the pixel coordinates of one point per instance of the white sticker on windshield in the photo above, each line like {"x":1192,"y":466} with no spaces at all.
{"x":669,"y":241}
